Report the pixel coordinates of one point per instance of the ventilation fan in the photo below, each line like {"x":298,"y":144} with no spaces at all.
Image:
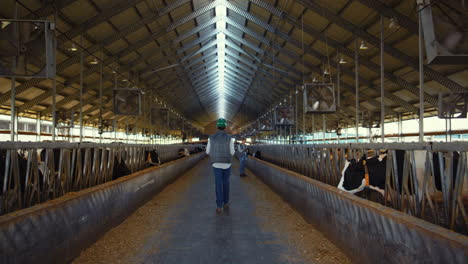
{"x":159,"y":117}
{"x":284,"y":116}
{"x":265,"y":123}
{"x":27,"y":48}
{"x":319,"y":98}
{"x":174,"y":123}
{"x":453,"y":105}
{"x":127,"y":101}
{"x":64,"y":118}
{"x":445,"y":29}
{"x":370,"y":119}
{"x":106,"y":125}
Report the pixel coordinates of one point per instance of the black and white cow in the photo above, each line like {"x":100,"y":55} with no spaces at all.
{"x":22,"y":167}
{"x":353,"y":178}
{"x":183,"y":152}
{"x":22,"y":164}
{"x":258,"y":154}
{"x":196,"y":150}
{"x":438,"y":168}
{"x":152,"y":158}
{"x":120,"y":169}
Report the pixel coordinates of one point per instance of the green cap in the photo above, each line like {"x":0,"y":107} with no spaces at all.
{"x":221,"y":122}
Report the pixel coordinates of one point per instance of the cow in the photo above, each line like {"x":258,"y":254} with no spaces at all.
{"x":183,"y":152}
{"x":120,"y":169}
{"x":196,"y":150}
{"x":152,"y":158}
{"x":438,"y":168}
{"x":258,"y":154}
{"x":354,"y":178}
{"x":11,"y":183}
{"x":56,"y":157}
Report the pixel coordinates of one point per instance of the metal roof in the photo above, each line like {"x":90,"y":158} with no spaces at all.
{"x":238,"y":64}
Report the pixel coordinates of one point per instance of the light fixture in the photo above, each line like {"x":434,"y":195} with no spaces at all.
{"x":363,"y":45}
{"x":94,"y":61}
{"x":73,"y":47}
{"x":326,"y":71}
{"x":315,"y":80}
{"x":124,"y":80}
{"x":342,"y":61}
{"x":393,"y":23}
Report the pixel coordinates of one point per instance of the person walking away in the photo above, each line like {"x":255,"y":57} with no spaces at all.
{"x":243,"y":158}
{"x":220,"y":148}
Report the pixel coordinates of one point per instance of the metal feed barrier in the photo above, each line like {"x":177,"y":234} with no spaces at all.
{"x":416,"y":195}
{"x":28,"y":179}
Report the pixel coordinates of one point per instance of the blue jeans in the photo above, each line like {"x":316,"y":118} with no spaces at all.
{"x":222,"y":186}
{"x":243,"y":160}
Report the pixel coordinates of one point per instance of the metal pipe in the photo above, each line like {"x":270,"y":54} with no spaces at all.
{"x":450,"y":129}
{"x":324,"y":126}
{"x":13,"y":84}
{"x":346,"y":135}
{"x":400,"y":126}
{"x":338,"y":81}
{"x":421,"y":79}
{"x":81,"y":89}
{"x":38,"y":127}
{"x":356,"y":72}
{"x":295,"y":114}
{"x":303,"y":117}
{"x":54,"y":82}
{"x":12,"y":104}
{"x":100,"y":97}
{"x":382,"y":78}
{"x":370,"y":134}
{"x":313,"y":127}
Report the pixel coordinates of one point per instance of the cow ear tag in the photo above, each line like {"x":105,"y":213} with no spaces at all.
{"x":366,"y":172}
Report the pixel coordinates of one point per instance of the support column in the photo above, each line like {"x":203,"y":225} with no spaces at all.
{"x":54,"y":82}
{"x":338,"y":81}
{"x":421,"y":79}
{"x":382,"y":79}
{"x":313,"y":128}
{"x":400,"y":127}
{"x":356,"y":73}
{"x":13,"y":85}
{"x":100,"y":98}
{"x":303,"y":119}
{"x":346,"y":135}
{"x":12,"y":105}
{"x":324,"y":127}
{"x":81,"y":88}
{"x":38,"y":127}
{"x":296,"y":123}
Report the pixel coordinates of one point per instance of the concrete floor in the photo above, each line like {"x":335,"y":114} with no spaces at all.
{"x":180,"y":225}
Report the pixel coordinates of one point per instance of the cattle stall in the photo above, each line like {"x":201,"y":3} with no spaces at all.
{"x":32,"y":173}
{"x":425,"y":180}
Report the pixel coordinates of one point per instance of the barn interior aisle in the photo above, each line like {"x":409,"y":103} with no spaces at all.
{"x":180,"y":225}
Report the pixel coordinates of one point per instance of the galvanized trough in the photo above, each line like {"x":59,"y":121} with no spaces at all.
{"x":366,"y":231}
{"x":58,"y":230}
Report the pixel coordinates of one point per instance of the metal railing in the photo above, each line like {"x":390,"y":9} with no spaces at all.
{"x":411,"y":189}
{"x":32,"y":173}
